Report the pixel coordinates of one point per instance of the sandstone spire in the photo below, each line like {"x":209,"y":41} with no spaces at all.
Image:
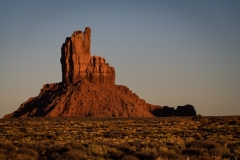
{"x":77,"y":62}
{"x":87,"y":89}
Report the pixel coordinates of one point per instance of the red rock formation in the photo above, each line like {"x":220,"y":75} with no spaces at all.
{"x":77,"y":62}
{"x":87,"y":88}
{"x":84,"y":99}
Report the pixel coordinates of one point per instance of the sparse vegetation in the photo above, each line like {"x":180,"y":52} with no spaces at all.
{"x":120,"y":138}
{"x":197,"y":117}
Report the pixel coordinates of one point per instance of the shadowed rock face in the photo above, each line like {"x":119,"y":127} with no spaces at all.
{"x":165,"y":111}
{"x":87,"y":88}
{"x":187,"y":110}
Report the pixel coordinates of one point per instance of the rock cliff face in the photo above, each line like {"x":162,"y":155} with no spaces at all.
{"x":77,"y":62}
{"x":87,"y":88}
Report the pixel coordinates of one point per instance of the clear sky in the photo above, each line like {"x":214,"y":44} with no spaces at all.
{"x":169,"y":52}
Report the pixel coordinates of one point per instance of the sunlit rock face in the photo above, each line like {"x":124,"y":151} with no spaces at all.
{"x":77,"y":62}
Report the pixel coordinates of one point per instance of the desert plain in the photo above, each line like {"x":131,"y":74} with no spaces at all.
{"x":197,"y":137}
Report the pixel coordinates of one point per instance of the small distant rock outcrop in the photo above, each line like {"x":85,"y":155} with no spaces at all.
{"x":87,"y":88}
{"x":187,"y":110}
{"x":165,"y":111}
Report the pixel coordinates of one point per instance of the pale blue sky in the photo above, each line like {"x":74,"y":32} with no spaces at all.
{"x":169,"y":52}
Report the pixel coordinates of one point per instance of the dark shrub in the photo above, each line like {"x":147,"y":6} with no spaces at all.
{"x":192,"y":151}
{"x":54,"y":156}
{"x":40,"y":148}
{"x":207,"y":147}
{"x":169,"y":154}
{"x":74,"y":154}
{"x":220,"y":151}
{"x":235,"y":146}
{"x":204,"y":157}
{"x":232,"y":122}
{"x":137,"y":144}
{"x":175,"y":149}
{"x":8,"y":147}
{"x":126,"y":148}
{"x":129,"y":157}
{"x":56,"y":151}
{"x":154,"y":144}
{"x":27,"y":151}
{"x":74,"y":145}
{"x":146,"y":155}
{"x":207,"y":144}
{"x":197,"y":117}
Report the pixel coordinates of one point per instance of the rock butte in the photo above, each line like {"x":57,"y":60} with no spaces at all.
{"x":87,"y":89}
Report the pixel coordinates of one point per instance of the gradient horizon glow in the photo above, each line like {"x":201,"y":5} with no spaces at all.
{"x":169,"y":53}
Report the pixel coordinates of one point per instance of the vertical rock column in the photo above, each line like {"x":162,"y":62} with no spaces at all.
{"x":75,"y":56}
{"x":85,"y":55}
{"x":65,"y":52}
{"x":77,"y":62}
{"x":87,"y":40}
